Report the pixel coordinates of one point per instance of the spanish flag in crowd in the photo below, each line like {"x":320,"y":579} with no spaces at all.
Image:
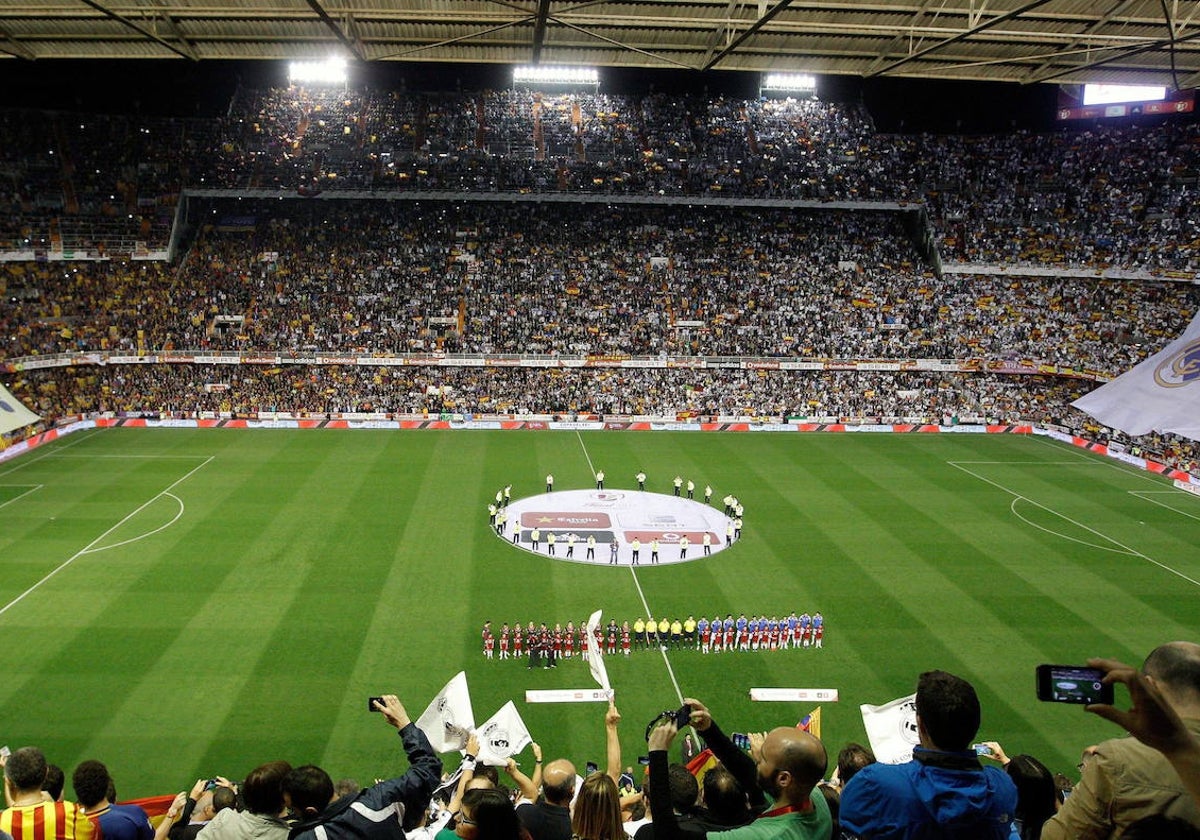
{"x":811,"y":722}
{"x":701,"y":764}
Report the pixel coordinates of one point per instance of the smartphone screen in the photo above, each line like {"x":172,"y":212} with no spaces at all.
{"x":1072,"y":684}
{"x":371,"y":701}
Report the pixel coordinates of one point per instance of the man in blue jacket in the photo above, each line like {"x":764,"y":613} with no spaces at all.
{"x":377,"y":813}
{"x":944,"y":792}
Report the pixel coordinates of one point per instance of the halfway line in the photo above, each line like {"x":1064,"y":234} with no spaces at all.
{"x":88,"y":547}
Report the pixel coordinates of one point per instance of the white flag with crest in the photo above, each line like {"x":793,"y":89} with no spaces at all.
{"x":504,"y":734}
{"x":892,"y":729}
{"x":595,"y":659}
{"x":448,"y":719}
{"x":1161,"y":394}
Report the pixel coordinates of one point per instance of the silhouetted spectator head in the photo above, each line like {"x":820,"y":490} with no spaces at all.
{"x":307,"y":790}
{"x":947,"y":711}
{"x":262,"y":790}
{"x":1175,"y":670}
{"x":724,"y":798}
{"x":91,"y":782}
{"x":56,"y":780}
{"x":685,"y":790}
{"x":222,"y":798}
{"x":343,"y":787}
{"x":25,"y":770}
{"x":851,"y":759}
{"x":487,"y":814}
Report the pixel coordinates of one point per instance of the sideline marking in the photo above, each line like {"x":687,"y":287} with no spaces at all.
{"x":1144,"y":496}
{"x":1131,"y":551}
{"x":24,"y":462}
{"x":90,"y":545}
{"x":1087,"y":455}
{"x":175,"y":519}
{"x":641,"y":594}
{"x":32,"y":488}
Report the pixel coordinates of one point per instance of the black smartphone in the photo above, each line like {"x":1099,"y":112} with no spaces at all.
{"x":683,"y":716}
{"x":1072,"y":684}
{"x":371,"y":701}
{"x":592,"y":767}
{"x":644,"y":760}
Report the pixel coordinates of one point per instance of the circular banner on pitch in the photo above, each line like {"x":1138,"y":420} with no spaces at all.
{"x":616,"y":517}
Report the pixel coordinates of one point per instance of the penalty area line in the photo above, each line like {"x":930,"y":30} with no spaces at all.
{"x":89,"y":547}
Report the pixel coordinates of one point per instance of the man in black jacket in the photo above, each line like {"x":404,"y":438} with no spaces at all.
{"x":376,"y":813}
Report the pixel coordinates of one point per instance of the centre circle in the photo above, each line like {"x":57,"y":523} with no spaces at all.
{"x":632,"y":520}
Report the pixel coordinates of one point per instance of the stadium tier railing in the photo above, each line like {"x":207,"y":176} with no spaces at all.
{"x":1026,"y":367}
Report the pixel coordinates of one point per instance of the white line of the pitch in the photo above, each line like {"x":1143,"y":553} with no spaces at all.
{"x":33,"y":488}
{"x":1095,"y":458}
{"x":1144,"y":496}
{"x":87,"y":548}
{"x":638,"y":584}
{"x":1132,"y":551}
{"x":1013,"y":508}
{"x":25,"y":462}
{"x":179,"y":513}
{"x":130,"y":457}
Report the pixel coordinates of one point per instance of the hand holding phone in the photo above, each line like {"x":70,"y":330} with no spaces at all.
{"x":1073,"y":684}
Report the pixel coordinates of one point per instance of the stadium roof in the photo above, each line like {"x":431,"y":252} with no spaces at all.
{"x":1025,"y":41}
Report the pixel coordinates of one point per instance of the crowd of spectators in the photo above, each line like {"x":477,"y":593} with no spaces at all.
{"x":774,"y":785}
{"x":1102,"y":196}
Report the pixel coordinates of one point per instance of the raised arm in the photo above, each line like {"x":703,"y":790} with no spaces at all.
{"x":613,"y":741}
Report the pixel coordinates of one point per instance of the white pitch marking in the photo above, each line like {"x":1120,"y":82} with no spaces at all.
{"x":174,"y":519}
{"x":1030,"y":523}
{"x":1132,"y":551}
{"x":32,"y":488}
{"x":89,"y":546}
{"x":638,"y":584}
{"x":1143,"y":494}
{"x":25,"y":462}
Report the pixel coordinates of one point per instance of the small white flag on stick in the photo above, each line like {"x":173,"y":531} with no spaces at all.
{"x":448,"y":719}
{"x":503,"y":735}
{"x":892,"y":729}
{"x":595,"y":660}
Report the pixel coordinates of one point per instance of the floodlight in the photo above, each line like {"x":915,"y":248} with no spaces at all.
{"x":332,"y":71}
{"x":556,"y":75}
{"x":790,"y":82}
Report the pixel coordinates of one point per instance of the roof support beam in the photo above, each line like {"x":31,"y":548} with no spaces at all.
{"x":136,"y":28}
{"x":539,"y":30}
{"x":10,"y":45}
{"x":762,"y":21}
{"x":967,"y":33}
{"x":1117,"y":56}
{"x":354,"y":48}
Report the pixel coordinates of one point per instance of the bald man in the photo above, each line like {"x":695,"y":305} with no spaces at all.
{"x":550,"y":819}
{"x":1126,"y":780}
{"x":779,"y":782}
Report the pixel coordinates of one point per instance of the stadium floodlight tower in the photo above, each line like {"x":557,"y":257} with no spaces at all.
{"x":563,"y":79}
{"x":788,"y":85}
{"x":328,"y":73}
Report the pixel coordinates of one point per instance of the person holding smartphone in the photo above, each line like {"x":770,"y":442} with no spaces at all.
{"x":1126,"y":779}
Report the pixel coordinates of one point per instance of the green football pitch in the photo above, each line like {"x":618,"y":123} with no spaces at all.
{"x":187,"y":603}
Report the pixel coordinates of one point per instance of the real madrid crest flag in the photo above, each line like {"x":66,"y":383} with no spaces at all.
{"x":1162,"y":394}
{"x":13,"y":415}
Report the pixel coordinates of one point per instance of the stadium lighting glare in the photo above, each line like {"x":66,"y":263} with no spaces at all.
{"x":556,"y":75}
{"x":332,"y":71}
{"x":1111,"y":94}
{"x":790,"y":82}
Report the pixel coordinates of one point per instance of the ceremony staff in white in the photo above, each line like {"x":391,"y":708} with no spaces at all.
{"x":691,"y":489}
{"x":535,"y":537}
{"x":549,"y":482}
{"x":683,"y":547}
{"x":571,"y":537}
{"x":641,"y":480}
{"x":591,"y":547}
{"x":599,"y":479}
{"x":707,"y":543}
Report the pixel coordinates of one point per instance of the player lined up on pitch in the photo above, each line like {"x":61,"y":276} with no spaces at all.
{"x":545,"y":646}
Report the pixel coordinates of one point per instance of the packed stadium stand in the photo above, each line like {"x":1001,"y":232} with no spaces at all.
{"x":595,"y":226}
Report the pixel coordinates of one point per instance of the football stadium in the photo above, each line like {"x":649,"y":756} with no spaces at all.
{"x":548,"y":365}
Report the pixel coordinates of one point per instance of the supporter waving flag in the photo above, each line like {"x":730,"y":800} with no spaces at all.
{"x":502,"y":735}
{"x":594,"y":656}
{"x":1162,"y":394}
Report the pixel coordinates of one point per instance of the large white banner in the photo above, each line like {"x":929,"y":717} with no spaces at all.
{"x":892,"y":729}
{"x":1162,"y":394}
{"x":595,"y":660}
{"x":13,"y":415}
